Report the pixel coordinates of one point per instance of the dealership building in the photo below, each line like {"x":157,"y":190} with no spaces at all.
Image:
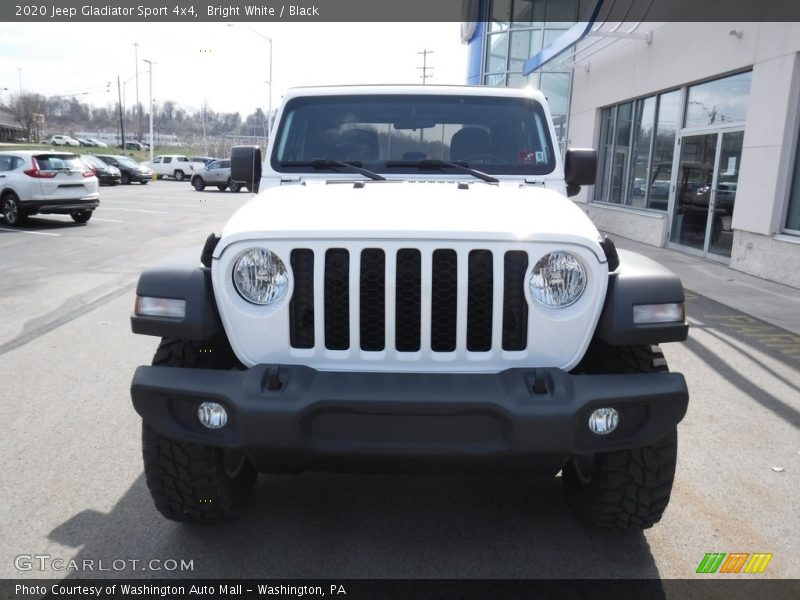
{"x":696,"y":124}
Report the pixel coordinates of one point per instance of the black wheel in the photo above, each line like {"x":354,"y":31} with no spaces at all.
{"x":81,"y":216}
{"x":625,"y":489}
{"x":125,"y":179}
{"x":198,"y":183}
{"x":191,"y":482}
{"x":234,"y":186}
{"x":12,"y":210}
{"x":179,"y":175}
{"x":144,"y":181}
{"x":222,"y":188}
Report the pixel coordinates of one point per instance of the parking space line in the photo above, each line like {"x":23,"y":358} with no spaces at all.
{"x":107,"y":220}
{"x":141,"y":210}
{"x":31,"y":232}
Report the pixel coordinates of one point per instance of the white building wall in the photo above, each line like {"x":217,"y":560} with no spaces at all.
{"x":684,"y":53}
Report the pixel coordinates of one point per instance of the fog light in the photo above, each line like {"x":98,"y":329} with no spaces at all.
{"x":603,"y":421}
{"x":212,"y":415}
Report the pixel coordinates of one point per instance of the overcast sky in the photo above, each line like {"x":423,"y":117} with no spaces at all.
{"x":226,"y":66}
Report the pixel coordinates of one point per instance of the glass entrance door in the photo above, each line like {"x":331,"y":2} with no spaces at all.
{"x":705,"y":192}
{"x":720,"y":234}
{"x":692,"y":191}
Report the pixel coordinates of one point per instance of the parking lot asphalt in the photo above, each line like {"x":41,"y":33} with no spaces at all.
{"x":73,"y":485}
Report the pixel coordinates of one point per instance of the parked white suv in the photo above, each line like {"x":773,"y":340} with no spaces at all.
{"x":175,"y":165}
{"x":61,"y":140}
{"x":34,"y":182}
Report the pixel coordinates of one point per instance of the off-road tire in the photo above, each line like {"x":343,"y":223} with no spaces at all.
{"x":189,"y":482}
{"x":625,"y":489}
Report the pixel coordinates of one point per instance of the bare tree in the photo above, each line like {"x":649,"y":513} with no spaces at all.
{"x":28,"y":109}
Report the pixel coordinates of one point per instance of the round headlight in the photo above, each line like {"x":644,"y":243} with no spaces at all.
{"x":260,"y":277}
{"x":558,"y":280}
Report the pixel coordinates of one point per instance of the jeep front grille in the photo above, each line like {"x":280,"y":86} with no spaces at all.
{"x":383,"y":294}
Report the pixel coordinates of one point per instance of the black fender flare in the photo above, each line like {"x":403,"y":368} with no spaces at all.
{"x":180,"y":276}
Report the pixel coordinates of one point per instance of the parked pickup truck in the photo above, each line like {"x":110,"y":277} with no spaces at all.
{"x":175,"y":165}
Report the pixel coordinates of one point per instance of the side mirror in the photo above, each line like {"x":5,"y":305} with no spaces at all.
{"x":580,"y":168}
{"x":246,"y":166}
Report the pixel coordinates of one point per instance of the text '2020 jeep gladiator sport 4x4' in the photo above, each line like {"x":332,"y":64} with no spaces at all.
{"x":412,"y":288}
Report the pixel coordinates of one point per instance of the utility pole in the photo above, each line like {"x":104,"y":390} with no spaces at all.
{"x":138,"y":108}
{"x":152,"y":137}
{"x":425,"y":68}
{"x":121,"y":122}
{"x":19,"y":69}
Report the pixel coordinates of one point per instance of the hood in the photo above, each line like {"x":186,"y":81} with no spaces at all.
{"x":412,"y":210}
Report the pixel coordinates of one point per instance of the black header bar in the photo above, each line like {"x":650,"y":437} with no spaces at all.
{"x":190,"y":11}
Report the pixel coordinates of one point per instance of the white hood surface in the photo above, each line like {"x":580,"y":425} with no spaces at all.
{"x":412,"y":210}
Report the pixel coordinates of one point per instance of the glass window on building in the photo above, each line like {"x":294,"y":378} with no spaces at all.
{"x":644,"y":116}
{"x":605,"y":148}
{"x":518,"y":30}
{"x":622,"y":135}
{"x":793,"y":215}
{"x":718,"y":102}
{"x":663,"y":150}
{"x":636,"y":147}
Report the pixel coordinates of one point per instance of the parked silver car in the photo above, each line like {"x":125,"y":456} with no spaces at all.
{"x":216,"y":173}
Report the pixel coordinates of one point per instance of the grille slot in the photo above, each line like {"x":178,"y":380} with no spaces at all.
{"x":301,"y":307}
{"x":408,"y":300}
{"x":444,"y":300}
{"x":337,"y":299}
{"x":515,"y":307}
{"x":475,"y":300}
{"x":372,"y":299}
{"x":479,"y":301}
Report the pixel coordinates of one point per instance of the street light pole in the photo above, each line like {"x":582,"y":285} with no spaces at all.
{"x":121,"y":121}
{"x":138,"y":111}
{"x":268,"y":124}
{"x":152,"y":137}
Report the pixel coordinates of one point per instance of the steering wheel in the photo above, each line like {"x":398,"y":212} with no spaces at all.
{"x":485,"y":158}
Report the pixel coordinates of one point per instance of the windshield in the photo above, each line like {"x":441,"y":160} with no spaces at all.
{"x":124,"y":160}
{"x":94,"y":162}
{"x":495,"y":135}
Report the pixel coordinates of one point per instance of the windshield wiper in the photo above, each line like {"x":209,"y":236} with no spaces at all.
{"x":328,"y":163}
{"x":435,"y":163}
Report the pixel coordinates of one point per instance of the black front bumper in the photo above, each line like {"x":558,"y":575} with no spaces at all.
{"x":295,"y":411}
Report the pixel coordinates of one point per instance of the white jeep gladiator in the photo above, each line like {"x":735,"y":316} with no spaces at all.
{"x":412,"y":288}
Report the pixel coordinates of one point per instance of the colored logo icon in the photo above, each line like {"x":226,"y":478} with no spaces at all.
{"x":735,"y":562}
